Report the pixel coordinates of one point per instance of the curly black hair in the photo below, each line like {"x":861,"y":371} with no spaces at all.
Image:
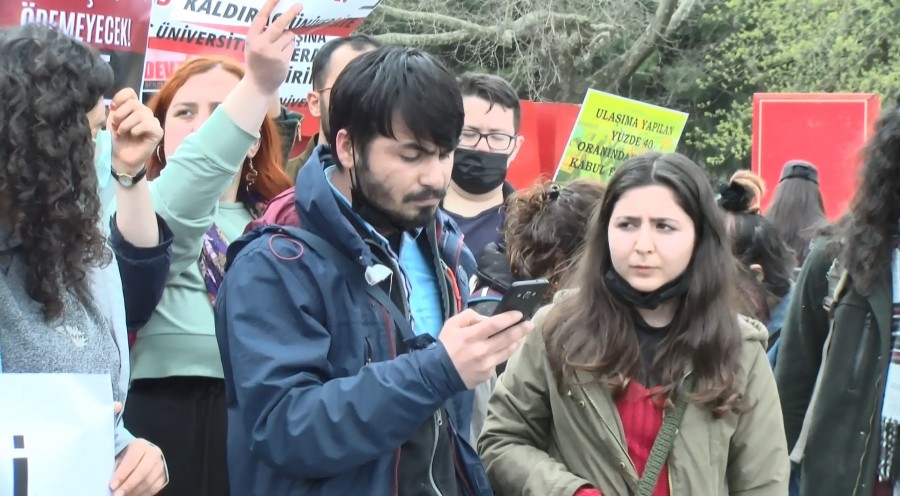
{"x":48,"y":182}
{"x":863,"y":237}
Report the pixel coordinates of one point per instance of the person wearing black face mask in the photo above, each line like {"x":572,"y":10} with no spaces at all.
{"x":488,"y":144}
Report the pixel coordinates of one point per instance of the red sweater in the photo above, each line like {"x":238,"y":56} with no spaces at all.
{"x":642,"y":418}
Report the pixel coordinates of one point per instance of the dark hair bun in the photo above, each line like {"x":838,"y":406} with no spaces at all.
{"x":742,"y":194}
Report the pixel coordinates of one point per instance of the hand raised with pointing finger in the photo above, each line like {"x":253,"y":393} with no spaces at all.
{"x":477,"y":344}
{"x":269,"y":49}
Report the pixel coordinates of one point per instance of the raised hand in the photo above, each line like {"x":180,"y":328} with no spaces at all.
{"x":269,"y":49}
{"x":135,"y":131}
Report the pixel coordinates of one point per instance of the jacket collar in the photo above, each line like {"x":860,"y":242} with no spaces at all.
{"x":318,"y":210}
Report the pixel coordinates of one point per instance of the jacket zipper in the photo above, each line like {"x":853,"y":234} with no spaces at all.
{"x":369,"y":351}
{"x":868,"y":437}
{"x":623,"y":448}
{"x":460,"y":473}
{"x":671,"y":486}
{"x":613,"y":434}
{"x":438,"y":422}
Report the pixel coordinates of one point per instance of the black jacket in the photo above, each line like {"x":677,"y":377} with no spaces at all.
{"x":842,"y":447}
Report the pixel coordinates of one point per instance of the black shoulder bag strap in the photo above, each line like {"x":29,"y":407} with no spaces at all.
{"x":356,"y":274}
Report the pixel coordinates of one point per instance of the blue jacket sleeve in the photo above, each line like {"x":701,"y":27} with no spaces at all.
{"x":275,"y":352}
{"x":143,"y":272}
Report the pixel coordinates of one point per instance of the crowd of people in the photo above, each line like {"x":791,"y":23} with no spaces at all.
{"x":328,"y":324}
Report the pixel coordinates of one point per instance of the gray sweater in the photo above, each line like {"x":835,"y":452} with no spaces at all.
{"x":89,"y":339}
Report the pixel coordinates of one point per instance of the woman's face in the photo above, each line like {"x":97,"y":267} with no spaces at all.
{"x":193,"y":103}
{"x":651,"y":239}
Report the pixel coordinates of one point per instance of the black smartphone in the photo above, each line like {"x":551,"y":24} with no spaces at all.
{"x":524,"y":296}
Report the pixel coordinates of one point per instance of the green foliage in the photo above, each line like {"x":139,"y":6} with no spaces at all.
{"x":709,"y":66}
{"x":799,"y":46}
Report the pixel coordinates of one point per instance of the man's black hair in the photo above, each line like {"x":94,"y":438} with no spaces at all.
{"x":396,"y":82}
{"x":322,"y":59}
{"x":493,"y":89}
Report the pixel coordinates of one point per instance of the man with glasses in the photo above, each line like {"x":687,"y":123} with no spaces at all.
{"x":488,"y":144}
{"x":327,"y":64}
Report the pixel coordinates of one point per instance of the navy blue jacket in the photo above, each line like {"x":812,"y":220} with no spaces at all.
{"x":143,"y":271}
{"x":319,"y":398}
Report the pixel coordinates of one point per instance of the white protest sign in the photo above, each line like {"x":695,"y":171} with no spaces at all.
{"x":316,"y":16}
{"x":56,"y":435}
{"x":184,"y":29}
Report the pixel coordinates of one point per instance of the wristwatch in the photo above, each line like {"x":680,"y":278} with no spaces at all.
{"x":128,"y":180}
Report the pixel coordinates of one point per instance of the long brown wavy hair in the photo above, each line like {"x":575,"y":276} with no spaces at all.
{"x":544,"y":228}
{"x":48,"y":181}
{"x":864,"y":236}
{"x":797,"y":211}
{"x":595,"y":332}
{"x":268,"y":161}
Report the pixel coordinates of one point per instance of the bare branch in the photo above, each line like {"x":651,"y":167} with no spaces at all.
{"x":685,"y":9}
{"x":548,"y":50}
{"x":620,"y":68}
{"x":464,"y":30}
{"x":425,"y":40}
{"x":448,"y":22}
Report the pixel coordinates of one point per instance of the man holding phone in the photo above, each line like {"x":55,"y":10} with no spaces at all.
{"x":343,"y":342}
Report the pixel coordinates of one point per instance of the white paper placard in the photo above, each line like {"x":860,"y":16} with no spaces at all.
{"x":56,"y":435}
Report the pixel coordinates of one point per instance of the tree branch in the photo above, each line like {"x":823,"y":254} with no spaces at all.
{"x":620,"y":68}
{"x":446,"y":21}
{"x":461,"y":30}
{"x":685,"y":9}
{"x":425,"y":40}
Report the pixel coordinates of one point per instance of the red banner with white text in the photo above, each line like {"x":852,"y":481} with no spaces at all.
{"x":118,"y":28}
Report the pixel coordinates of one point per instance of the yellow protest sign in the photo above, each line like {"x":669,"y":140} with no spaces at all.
{"x":610,"y":129}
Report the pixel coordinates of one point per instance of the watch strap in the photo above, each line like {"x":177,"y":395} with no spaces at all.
{"x":129,"y":180}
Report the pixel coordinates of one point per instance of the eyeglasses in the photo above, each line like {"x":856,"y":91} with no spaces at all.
{"x":497,"y":142}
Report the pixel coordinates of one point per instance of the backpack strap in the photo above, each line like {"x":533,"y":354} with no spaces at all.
{"x":838,"y":279}
{"x":356,"y":274}
{"x":838,"y":282}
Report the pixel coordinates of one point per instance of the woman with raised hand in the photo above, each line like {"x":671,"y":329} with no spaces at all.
{"x":61,"y":302}
{"x":219,"y":159}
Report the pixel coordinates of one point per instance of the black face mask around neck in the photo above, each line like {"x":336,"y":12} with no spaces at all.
{"x":648,"y":300}
{"x":478,"y":172}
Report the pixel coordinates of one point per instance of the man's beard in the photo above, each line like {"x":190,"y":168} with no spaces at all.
{"x":373,"y":202}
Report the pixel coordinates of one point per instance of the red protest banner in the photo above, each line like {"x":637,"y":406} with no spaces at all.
{"x":118,"y":28}
{"x":827,"y":130}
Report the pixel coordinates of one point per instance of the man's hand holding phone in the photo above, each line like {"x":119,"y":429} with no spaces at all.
{"x":477,"y":344}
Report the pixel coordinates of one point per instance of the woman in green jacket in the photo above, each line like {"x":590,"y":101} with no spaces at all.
{"x":846,"y":440}
{"x":644,"y":380}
